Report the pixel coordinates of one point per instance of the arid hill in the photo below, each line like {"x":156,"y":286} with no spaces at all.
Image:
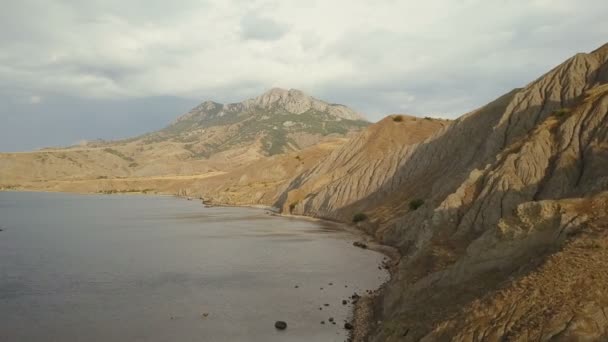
{"x":501,"y":217}
{"x":359,"y":167}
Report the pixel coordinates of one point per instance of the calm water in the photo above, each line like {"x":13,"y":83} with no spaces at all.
{"x":139,"y":268}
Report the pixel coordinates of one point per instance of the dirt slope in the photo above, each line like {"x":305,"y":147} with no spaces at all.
{"x":359,"y":167}
{"x":503,"y":192}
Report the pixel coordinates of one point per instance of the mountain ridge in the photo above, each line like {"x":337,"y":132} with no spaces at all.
{"x":294,"y":101}
{"x":279,"y":120}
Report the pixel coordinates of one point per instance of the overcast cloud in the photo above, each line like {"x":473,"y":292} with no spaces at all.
{"x":75,"y":62}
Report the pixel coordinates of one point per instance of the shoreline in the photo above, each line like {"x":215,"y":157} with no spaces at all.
{"x":363,"y":310}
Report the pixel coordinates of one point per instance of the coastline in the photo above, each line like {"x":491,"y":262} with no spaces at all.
{"x":363,"y":312}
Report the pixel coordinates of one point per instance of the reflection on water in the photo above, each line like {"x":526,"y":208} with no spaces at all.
{"x":136,"y":268}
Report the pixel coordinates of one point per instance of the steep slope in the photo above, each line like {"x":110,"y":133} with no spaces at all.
{"x":210,"y":138}
{"x":361,"y":166}
{"x":483,"y":210}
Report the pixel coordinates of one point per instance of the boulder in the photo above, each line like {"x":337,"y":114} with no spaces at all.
{"x":280,"y":325}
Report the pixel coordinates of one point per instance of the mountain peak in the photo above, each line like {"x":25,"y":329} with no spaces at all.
{"x":278,"y":92}
{"x":276,"y":121}
{"x":280,"y":95}
{"x":297,"y":102}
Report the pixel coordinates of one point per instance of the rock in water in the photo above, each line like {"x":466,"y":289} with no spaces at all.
{"x":359,"y":244}
{"x":280,"y":325}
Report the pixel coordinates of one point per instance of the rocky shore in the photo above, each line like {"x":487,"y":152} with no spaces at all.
{"x":365,"y":306}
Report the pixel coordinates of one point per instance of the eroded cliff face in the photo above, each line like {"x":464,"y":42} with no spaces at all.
{"x":362,"y":166}
{"x":514,"y":198}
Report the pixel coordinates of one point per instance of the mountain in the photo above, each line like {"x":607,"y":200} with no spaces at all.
{"x":211,"y":138}
{"x":500,"y":216}
{"x":275,"y":122}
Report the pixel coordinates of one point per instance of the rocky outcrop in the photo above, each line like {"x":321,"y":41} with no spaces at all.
{"x":538,"y":275}
{"x":290,"y":101}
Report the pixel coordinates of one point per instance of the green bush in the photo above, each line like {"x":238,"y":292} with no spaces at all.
{"x":397,"y":118}
{"x":292,"y":206}
{"x":415,"y":204}
{"x":358,"y":217}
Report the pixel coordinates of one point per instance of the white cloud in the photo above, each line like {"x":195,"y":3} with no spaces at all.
{"x":35,"y":99}
{"x":435,"y":56}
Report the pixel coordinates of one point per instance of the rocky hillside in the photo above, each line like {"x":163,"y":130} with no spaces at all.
{"x":359,"y":167}
{"x":500,"y":216}
{"x":277,"y":121}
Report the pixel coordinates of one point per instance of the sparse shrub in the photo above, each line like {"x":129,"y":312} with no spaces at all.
{"x":397,"y":118}
{"x":102,"y":177}
{"x":292,"y":206}
{"x":561,"y":112}
{"x":133,"y":165}
{"x":415,"y":204}
{"x":359,"y":217}
{"x":118,"y":154}
{"x":428,"y":118}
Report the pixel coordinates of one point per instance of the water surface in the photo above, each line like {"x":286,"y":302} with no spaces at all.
{"x":146,"y":268}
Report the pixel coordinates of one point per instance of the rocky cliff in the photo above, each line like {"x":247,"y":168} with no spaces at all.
{"x":489,"y":214}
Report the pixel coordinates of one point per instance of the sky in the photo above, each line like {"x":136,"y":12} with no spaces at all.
{"x":81,"y":69}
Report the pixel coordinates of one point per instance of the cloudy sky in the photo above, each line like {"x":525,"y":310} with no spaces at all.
{"x":79,"y":69}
